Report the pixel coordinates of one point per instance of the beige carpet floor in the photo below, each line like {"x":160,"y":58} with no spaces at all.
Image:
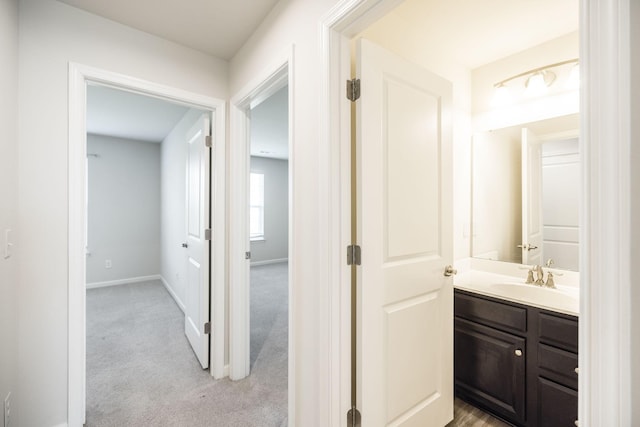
{"x":141,"y":370}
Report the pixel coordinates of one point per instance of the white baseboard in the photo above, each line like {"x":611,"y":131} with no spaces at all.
{"x":62,"y":425}
{"x":269,"y":261}
{"x":122,"y":281}
{"x":172,"y":293}
{"x":225,"y":371}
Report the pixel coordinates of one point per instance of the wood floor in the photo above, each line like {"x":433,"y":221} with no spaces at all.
{"x":465,"y":415}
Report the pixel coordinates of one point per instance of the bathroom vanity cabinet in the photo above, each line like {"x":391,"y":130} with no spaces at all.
{"x":516,"y":361}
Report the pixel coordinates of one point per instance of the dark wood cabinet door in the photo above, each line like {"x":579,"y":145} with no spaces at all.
{"x":490,"y":369}
{"x":557,"y":404}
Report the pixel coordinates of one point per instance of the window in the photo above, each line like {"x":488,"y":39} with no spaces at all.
{"x":256,"y":206}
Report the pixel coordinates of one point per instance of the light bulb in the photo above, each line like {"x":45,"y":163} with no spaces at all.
{"x":573,"y":82}
{"x":501,"y":96}
{"x":536,"y":85}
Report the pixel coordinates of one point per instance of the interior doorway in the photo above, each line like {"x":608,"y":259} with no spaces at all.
{"x":81,"y":78}
{"x":261,"y":253}
{"x":389,"y":27}
{"x":147,"y":264}
{"x":269,"y":230}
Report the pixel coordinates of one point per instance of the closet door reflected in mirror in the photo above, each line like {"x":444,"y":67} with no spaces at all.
{"x":525,"y":193}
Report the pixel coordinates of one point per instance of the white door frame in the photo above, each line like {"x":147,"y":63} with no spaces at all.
{"x":605,"y":333}
{"x":267,"y":82}
{"x":79,"y":77}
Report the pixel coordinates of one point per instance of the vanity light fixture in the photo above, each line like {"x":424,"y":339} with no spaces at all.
{"x":537,"y":80}
{"x":573,"y":82}
{"x":538,"y":83}
{"x":501,"y":96}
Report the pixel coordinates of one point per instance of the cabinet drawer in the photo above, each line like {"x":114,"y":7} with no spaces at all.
{"x":559,"y":332}
{"x":557,"y":405}
{"x":558,"y":365}
{"x":491,"y":313}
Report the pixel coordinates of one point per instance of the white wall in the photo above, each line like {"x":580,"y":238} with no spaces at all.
{"x":173,"y":267}
{"x":123,"y":209}
{"x":558,"y":101}
{"x":51,"y":35}
{"x":295,"y":22}
{"x":9,"y":203}
{"x":276,"y":210}
{"x":634,"y":191}
{"x":497,"y":195}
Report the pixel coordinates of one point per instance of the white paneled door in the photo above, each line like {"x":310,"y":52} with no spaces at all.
{"x":404,"y":216}
{"x":197,"y":245}
{"x":532,"y":226}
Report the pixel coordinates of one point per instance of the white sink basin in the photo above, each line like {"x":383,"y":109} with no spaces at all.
{"x":535,"y":294}
{"x":564,"y":299}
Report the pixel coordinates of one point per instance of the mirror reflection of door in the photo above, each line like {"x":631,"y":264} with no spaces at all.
{"x":526,"y":201}
{"x":532,"y":222}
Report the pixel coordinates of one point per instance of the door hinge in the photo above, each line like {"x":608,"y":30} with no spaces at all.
{"x":208,"y":141}
{"x":247,"y":255}
{"x":353,"y":255}
{"x":353,"y":418}
{"x":207,"y":234}
{"x":207,"y":328}
{"x":353,"y":90}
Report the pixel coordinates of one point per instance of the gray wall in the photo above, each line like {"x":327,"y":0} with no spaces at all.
{"x":124,"y":209}
{"x":173,"y":222}
{"x":275,"y":245}
{"x":9,"y":202}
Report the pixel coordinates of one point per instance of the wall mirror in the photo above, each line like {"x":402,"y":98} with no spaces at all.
{"x":526,"y":193}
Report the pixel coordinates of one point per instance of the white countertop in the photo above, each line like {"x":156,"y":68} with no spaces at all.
{"x":564,"y":299}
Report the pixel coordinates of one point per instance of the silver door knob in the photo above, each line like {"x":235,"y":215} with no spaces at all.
{"x":450,"y":271}
{"x":518,"y":352}
{"x":528,"y":247}
{"x":185,"y":245}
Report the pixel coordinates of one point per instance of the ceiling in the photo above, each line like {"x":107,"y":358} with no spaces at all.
{"x":270,"y":126}
{"x":129,"y":115}
{"x":478,"y":32}
{"x":216,"y":27}
{"x":472,"y":32}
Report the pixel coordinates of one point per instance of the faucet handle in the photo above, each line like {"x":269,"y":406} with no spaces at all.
{"x":529,"y":277}
{"x":550,"y":282}
{"x":549,"y":262}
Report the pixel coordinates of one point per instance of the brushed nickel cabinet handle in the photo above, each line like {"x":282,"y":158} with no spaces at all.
{"x":518,"y":352}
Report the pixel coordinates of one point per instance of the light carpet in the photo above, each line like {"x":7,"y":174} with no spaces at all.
{"x":141,"y":370}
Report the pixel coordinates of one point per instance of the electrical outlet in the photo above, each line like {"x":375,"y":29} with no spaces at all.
{"x":107,"y":263}
{"x":7,"y":410}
